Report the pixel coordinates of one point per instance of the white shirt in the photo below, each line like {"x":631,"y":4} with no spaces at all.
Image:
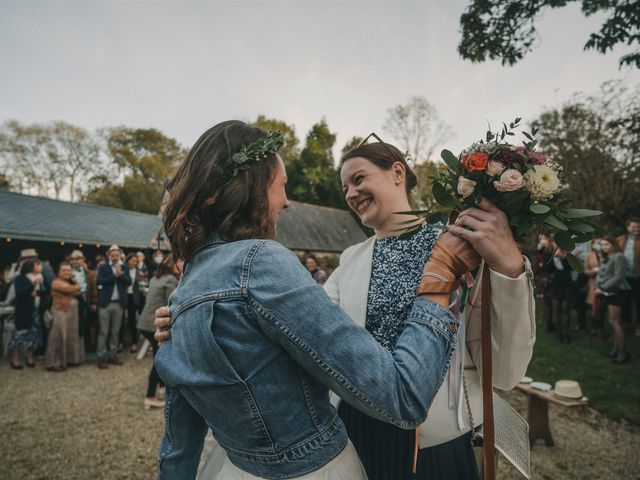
{"x":115,"y":296}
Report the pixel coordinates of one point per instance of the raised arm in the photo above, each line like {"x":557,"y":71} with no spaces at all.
{"x":295,"y":312}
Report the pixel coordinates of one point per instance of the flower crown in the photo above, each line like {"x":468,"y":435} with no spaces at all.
{"x":255,"y":151}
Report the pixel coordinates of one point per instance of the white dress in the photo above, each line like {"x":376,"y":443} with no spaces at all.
{"x":346,"y":466}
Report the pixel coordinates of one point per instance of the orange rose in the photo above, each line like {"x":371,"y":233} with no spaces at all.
{"x":476,"y":161}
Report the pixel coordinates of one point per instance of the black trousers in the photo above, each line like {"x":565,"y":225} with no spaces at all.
{"x":129,"y":330}
{"x":154,"y":378}
{"x":632,"y":298}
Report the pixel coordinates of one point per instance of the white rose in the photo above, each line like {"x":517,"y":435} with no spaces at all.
{"x":495,"y":168}
{"x":510,"y":180}
{"x":466,"y":186}
{"x":542,"y":182}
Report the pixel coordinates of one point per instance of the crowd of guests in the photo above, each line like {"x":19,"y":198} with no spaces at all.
{"x":608,"y":288}
{"x":102,"y":308}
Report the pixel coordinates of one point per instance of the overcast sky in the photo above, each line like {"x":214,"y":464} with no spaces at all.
{"x":184,"y":66}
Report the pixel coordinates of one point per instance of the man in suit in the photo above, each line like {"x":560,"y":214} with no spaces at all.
{"x":112,"y":281}
{"x":630,"y":246}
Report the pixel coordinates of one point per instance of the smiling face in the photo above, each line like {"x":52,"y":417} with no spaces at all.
{"x":634,"y":228}
{"x":373,"y":193}
{"x":114,"y":256}
{"x":65,"y":272}
{"x":311,"y":264}
{"x":276,"y":193}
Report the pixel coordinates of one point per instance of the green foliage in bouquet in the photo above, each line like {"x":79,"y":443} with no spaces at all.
{"x":526,"y":185}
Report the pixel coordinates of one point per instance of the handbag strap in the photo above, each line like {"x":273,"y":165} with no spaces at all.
{"x":487,"y":383}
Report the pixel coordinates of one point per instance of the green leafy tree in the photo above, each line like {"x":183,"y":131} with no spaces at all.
{"x":290,"y":151}
{"x":351,"y":144}
{"x":313,"y":177}
{"x":142,"y":161}
{"x":4,"y":182}
{"x":596,"y":152}
{"x":505,"y":29}
{"x":48,"y":158}
{"x":422,"y":195}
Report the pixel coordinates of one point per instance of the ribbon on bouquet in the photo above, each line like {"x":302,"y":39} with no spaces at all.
{"x":487,"y":383}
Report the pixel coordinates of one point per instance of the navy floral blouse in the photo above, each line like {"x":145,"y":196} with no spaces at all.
{"x":395,"y":275}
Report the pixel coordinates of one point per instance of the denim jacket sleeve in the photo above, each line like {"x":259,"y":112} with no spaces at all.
{"x":182,"y":441}
{"x":292,"y":310}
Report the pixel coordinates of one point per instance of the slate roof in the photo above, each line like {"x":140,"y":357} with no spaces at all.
{"x":320,"y":229}
{"x":301,"y":227}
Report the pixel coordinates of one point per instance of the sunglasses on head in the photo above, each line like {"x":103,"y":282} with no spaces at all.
{"x":384,"y":145}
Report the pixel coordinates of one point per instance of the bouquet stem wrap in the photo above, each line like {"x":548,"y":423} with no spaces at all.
{"x":488,"y":463}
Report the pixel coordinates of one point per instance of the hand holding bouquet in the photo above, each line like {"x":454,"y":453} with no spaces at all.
{"x":524,"y":184}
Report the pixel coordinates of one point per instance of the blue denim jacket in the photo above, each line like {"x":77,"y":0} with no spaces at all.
{"x":255,"y":347}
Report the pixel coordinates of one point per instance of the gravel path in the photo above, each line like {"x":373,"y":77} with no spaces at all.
{"x":89,"y":423}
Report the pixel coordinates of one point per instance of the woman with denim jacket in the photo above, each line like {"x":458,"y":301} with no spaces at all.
{"x":256,"y":344}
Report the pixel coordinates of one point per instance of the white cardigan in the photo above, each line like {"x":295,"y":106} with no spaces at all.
{"x":512,"y":331}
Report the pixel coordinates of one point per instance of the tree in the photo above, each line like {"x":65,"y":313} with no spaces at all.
{"x":143,"y":160}
{"x":4,"y":182}
{"x":351,"y":144}
{"x":313,"y":177}
{"x":48,"y":158}
{"x":422,"y":196}
{"x":595,"y":153}
{"x":505,"y":30}
{"x":289,"y":151}
{"x":417,"y":128}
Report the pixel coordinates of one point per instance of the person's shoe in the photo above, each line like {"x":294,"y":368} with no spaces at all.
{"x":161,"y":393}
{"x":73,"y":365}
{"x":153,"y":402}
{"x":57,"y":369}
{"x":613,"y":353}
{"x":622,"y":359}
{"x":16,"y":367}
{"x":116,"y":361}
{"x":31,"y":365}
{"x":102,"y":364}
{"x":134,"y":348}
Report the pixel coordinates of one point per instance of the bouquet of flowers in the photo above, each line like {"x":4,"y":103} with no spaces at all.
{"x":526,"y":185}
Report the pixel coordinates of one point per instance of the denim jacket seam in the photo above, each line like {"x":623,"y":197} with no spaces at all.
{"x":326,"y":368}
{"x":197,"y":300}
{"x":246,"y":266}
{"x":435,"y":325}
{"x":307,"y":398}
{"x":167,"y":415}
{"x":257,"y":414}
{"x":332,"y":424}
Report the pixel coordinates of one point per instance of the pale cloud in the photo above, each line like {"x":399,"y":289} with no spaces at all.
{"x":183,"y":66}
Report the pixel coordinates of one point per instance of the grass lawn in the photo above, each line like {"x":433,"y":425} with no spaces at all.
{"x":612,"y":389}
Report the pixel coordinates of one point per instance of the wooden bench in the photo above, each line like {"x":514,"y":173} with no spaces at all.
{"x":538,"y":414}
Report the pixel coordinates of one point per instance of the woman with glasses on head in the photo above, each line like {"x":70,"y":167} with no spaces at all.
{"x":374,"y":284}
{"x":256,"y":344}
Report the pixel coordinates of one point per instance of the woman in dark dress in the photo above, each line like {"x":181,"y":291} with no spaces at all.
{"x":28,"y":288}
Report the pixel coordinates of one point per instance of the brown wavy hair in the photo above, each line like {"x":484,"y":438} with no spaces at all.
{"x":383,"y":156}
{"x":203,"y":196}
